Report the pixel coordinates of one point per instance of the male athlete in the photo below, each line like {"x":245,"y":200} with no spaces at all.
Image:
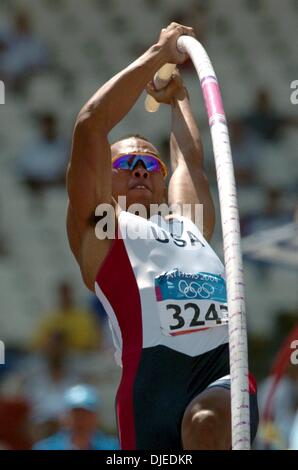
{"x":165,"y":294}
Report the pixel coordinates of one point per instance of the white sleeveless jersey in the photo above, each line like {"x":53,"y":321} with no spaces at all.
{"x":161,"y":284}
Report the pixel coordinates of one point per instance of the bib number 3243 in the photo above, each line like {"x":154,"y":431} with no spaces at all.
{"x":190,"y":302}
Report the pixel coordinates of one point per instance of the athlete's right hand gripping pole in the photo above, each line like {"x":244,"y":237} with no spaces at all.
{"x":231,"y":240}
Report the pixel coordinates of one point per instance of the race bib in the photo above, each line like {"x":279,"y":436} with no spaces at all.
{"x":190,"y":302}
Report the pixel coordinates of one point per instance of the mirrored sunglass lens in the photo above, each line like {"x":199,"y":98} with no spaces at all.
{"x":121,"y":163}
{"x":151,"y":163}
{"x":126,"y":162}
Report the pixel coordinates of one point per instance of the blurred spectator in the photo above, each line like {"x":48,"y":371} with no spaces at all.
{"x":264,"y":121}
{"x":43,"y":162}
{"x":80,"y":427}
{"x":22,"y":53}
{"x":272,"y":215}
{"x":276,"y":433}
{"x":246,"y":151}
{"x":194,"y":15}
{"x":98,"y":309}
{"x":42,"y":380}
{"x":80,"y":328}
{"x":293,"y":442}
{"x":14,"y":424}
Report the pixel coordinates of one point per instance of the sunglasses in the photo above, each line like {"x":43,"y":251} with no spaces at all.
{"x":128,"y":161}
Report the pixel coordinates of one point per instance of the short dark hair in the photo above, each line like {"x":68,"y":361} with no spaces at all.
{"x":130,"y":136}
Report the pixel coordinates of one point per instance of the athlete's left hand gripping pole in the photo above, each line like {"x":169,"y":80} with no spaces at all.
{"x":231,"y":237}
{"x":161,"y":79}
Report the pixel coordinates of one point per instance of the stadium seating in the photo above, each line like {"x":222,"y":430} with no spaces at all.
{"x":90,"y":41}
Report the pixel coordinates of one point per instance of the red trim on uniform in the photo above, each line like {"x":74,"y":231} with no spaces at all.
{"x":158,"y":293}
{"x":178,"y":333}
{"x":252,"y":384}
{"x":125,"y":301}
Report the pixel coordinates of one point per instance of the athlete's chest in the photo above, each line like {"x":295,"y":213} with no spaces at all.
{"x":177,"y":274}
{"x":159,"y":245}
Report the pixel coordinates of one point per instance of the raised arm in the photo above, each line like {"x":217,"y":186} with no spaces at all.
{"x":89,"y":172}
{"x":188,"y":184}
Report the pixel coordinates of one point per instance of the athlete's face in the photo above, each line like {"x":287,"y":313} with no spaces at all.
{"x":138,"y":185}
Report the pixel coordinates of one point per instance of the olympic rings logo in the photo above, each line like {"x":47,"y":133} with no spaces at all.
{"x":192,"y":289}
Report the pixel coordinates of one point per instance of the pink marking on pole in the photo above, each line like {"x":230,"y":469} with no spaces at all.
{"x":212,"y":98}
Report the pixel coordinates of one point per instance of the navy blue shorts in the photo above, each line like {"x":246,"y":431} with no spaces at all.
{"x":165,"y":383}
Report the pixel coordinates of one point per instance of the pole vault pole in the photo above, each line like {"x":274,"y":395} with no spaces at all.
{"x":230,"y":229}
